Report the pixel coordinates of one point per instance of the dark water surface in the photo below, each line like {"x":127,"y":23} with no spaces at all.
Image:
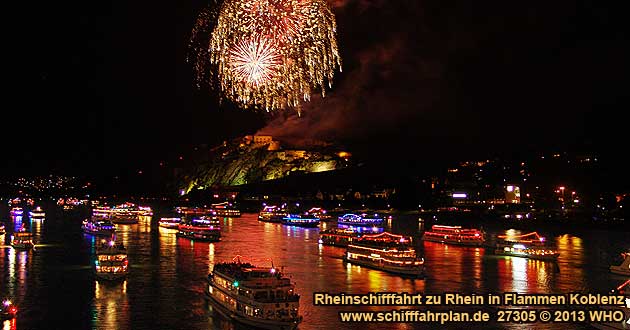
{"x":55,"y":288}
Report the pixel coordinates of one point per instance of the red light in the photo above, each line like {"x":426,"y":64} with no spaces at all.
{"x":13,"y":310}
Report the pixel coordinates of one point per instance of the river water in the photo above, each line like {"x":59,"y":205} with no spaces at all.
{"x":54,"y":286}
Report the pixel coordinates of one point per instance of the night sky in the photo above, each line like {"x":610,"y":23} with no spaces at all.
{"x":99,"y":87}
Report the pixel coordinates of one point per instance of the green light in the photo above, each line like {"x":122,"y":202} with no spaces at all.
{"x":236,"y":284}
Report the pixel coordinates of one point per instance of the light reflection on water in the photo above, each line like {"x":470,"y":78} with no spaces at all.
{"x":9,"y":324}
{"x":165,"y":286}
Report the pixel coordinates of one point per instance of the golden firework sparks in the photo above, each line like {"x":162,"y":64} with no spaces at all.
{"x":270,"y":54}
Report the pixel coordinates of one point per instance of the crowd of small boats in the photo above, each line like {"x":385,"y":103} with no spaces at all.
{"x":265,"y":297}
{"x":199,"y":223}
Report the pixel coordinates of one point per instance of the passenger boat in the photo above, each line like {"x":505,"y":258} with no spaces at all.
{"x":204,"y":228}
{"x":183,"y":210}
{"x":300,"y":220}
{"x":387,"y":252}
{"x":272,"y":213}
{"x":320,"y":213}
{"x":226,"y":209}
{"x":337,"y":236}
{"x":454,"y":235}
{"x":16,"y":211}
{"x":37,"y":213}
{"x":126,"y":213}
{"x":111,"y":261}
{"x":259,"y":297}
{"x":624,"y":268}
{"x":529,"y":245}
{"x":22,"y":239}
{"x":96,"y":226}
{"x":7,"y":310}
{"x":144,"y":211}
{"x":360,"y":220}
{"x":171,"y":223}
{"x":343,"y":235}
{"x":124,"y":218}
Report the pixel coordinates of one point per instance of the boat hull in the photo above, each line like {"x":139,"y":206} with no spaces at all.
{"x":332,"y":242}
{"x":360,"y":224}
{"x":257,"y":323}
{"x":453,"y":242}
{"x":200,"y":237}
{"x":169,"y":226}
{"x":21,"y":246}
{"x":298,"y":224}
{"x":408,"y":271}
{"x":623,"y":269}
{"x":99,"y":232}
{"x":547,"y":257}
{"x":270,"y":219}
{"x":618,"y":270}
{"x":228,"y":214}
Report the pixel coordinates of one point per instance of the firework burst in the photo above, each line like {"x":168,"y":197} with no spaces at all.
{"x":255,"y":61}
{"x":269,"y":54}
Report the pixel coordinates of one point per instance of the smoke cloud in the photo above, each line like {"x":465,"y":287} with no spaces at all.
{"x":388,"y":78}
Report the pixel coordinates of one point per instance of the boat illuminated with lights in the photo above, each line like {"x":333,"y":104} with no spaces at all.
{"x":126,"y":213}
{"x":272,"y":213}
{"x":203,"y":228}
{"x":300,"y":220}
{"x":454,"y":235}
{"x":529,"y":245}
{"x":260,"y":297}
{"x":320,"y":213}
{"x":344,"y":235}
{"x":226,"y":209}
{"x":96,"y":226}
{"x":624,"y":268}
{"x":22,"y":239}
{"x":111,"y":261}
{"x":16,"y":211}
{"x":37,"y":213}
{"x":171,"y":223}
{"x":387,"y":252}
{"x":360,"y":220}
{"x":184,"y":210}
{"x":7,"y":310}
{"x":337,"y":236}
